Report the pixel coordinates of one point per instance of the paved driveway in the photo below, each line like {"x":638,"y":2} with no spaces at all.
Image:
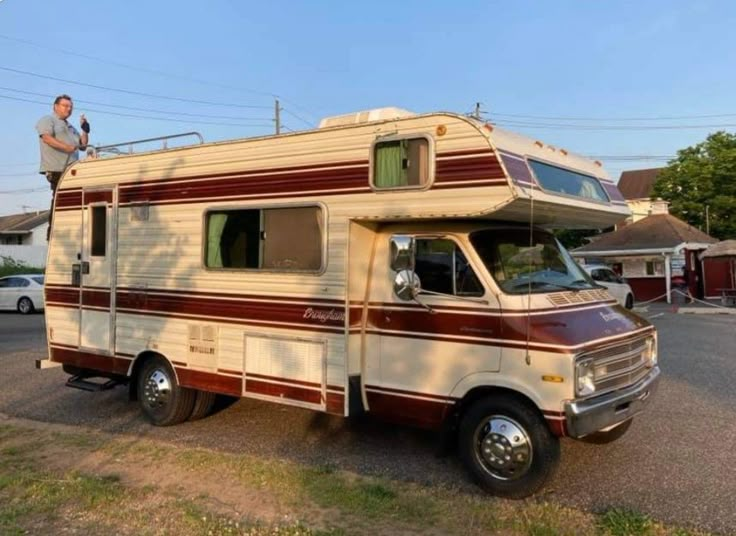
{"x":677,"y":463}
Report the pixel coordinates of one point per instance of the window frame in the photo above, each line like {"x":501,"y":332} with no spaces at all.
{"x":530,"y":158}
{"x":431,"y":157}
{"x":90,"y":224}
{"x":232,"y":208}
{"x":473,"y":266}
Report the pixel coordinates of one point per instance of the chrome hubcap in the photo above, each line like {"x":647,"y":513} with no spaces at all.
{"x":25,"y":306}
{"x":157,"y":389}
{"x":503,"y":448}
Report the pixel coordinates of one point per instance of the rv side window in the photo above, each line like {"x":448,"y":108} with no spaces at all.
{"x":99,"y":230}
{"x":281,"y":239}
{"x":442,"y":267}
{"x":401,"y":163}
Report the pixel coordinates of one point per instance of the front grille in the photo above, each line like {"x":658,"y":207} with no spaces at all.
{"x":620,"y":365}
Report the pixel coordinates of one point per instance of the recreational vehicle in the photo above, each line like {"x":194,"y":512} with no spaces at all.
{"x":385,"y":262}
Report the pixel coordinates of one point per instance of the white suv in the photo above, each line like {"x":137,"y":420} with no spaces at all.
{"x":615,"y":284}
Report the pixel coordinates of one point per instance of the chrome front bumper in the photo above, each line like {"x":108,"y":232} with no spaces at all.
{"x":590,"y":415}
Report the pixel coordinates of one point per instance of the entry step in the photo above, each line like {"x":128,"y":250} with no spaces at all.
{"x":84,"y":383}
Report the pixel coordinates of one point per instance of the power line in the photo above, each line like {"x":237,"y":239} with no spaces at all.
{"x":160,"y":73}
{"x":23,"y":191}
{"x":135,"y":116}
{"x":642,"y":118}
{"x":300,"y":118}
{"x":233,"y":118}
{"x":563,"y":126}
{"x":131,"y":92}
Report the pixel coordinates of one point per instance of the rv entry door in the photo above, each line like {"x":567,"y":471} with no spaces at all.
{"x":96,"y":269}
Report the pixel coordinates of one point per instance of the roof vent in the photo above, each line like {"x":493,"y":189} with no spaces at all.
{"x":378,"y":114}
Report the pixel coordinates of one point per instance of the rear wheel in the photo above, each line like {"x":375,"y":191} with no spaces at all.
{"x":507,"y":447}
{"x":609,"y":436}
{"x":203,"y":404}
{"x":162,"y":399}
{"x":25,"y":306}
{"x":629,"y":301}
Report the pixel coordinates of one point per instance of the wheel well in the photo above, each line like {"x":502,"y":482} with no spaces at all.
{"x":141,"y":360}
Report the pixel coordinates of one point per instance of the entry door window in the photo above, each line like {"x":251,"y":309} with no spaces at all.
{"x":443,"y":268}
{"x":98,"y":238}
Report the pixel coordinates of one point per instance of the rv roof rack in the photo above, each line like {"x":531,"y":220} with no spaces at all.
{"x":127,"y":147}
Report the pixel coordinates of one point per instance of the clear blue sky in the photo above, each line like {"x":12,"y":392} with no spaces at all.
{"x":612,"y":61}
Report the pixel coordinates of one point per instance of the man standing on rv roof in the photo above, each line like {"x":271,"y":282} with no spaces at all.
{"x":60,"y":143}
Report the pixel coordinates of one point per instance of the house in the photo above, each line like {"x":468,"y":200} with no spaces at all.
{"x":649,"y":253}
{"x":636,"y":186}
{"x":23,"y":238}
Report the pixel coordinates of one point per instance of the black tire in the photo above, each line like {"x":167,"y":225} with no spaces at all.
{"x":629,"y":301}
{"x":162,"y":399}
{"x":25,"y":306}
{"x":534,"y":451}
{"x":602,"y":438}
{"x":203,"y":404}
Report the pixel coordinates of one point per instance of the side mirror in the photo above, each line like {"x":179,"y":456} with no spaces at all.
{"x":407,"y":285}
{"x":403,"y":250}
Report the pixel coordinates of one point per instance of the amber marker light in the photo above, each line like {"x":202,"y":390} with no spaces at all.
{"x":441,"y":130}
{"x":538,"y":144}
{"x":488,"y":127}
{"x":553,"y":379}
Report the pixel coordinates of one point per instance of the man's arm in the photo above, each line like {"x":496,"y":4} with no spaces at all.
{"x":84,"y":137}
{"x":48,"y":139}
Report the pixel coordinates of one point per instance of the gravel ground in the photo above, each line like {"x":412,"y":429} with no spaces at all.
{"x":677,"y":462}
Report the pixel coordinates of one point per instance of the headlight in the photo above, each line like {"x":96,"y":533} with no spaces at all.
{"x":650,"y":352}
{"x":585,"y":377}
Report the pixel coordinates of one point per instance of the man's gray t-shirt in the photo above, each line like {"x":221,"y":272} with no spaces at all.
{"x":53,"y":159}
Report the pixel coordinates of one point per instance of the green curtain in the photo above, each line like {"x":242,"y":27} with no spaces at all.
{"x":389,"y":172}
{"x":215,"y":226}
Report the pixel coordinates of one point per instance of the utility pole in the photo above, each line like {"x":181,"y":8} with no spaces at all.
{"x":277,"y":116}
{"x":707,"y":220}
{"x":476,"y":114}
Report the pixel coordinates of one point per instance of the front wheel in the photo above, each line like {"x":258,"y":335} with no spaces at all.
{"x":162,"y":399}
{"x":609,"y":436}
{"x":25,"y":306}
{"x":507,"y":447}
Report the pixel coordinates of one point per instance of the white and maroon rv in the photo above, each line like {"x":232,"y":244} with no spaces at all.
{"x":386,"y":262}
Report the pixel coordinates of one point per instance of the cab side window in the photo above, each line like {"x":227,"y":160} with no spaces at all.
{"x":442,"y":267}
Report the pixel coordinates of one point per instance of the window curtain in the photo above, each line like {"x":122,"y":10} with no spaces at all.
{"x":389,"y":172}
{"x":215,"y":227}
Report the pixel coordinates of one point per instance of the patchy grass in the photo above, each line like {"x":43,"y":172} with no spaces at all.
{"x":9,"y":266}
{"x":117,"y":485}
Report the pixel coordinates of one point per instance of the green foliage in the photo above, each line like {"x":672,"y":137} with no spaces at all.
{"x":574,"y":238}
{"x":9,"y":266}
{"x":619,"y":522}
{"x":701,"y":176}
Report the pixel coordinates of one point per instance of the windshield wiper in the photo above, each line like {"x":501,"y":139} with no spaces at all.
{"x":548,"y":283}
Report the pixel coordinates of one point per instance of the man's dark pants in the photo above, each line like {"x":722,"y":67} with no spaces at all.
{"x":53,"y":178}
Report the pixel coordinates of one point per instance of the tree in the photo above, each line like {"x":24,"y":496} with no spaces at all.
{"x":700,"y":185}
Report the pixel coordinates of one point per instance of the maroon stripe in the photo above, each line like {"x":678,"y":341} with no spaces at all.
{"x":242,"y":310}
{"x":178,"y":363}
{"x":98,"y":197}
{"x":471,"y":168}
{"x":89,"y":360}
{"x":226,"y":371}
{"x":62,"y":295}
{"x":291,"y":392}
{"x":403,"y":410}
{"x":68,"y":199}
{"x":207,"y":381}
{"x":465,"y":152}
{"x":96,"y":298}
{"x":335,"y":404}
{"x":254,"y":185}
{"x":307,"y":299}
{"x":412,"y":393}
{"x":239,"y":322}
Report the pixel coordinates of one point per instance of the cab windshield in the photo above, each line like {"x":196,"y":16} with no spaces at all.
{"x":521,"y":262}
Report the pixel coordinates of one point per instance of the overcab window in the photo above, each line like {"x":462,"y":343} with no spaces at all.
{"x":281,"y":239}
{"x":401,"y":163}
